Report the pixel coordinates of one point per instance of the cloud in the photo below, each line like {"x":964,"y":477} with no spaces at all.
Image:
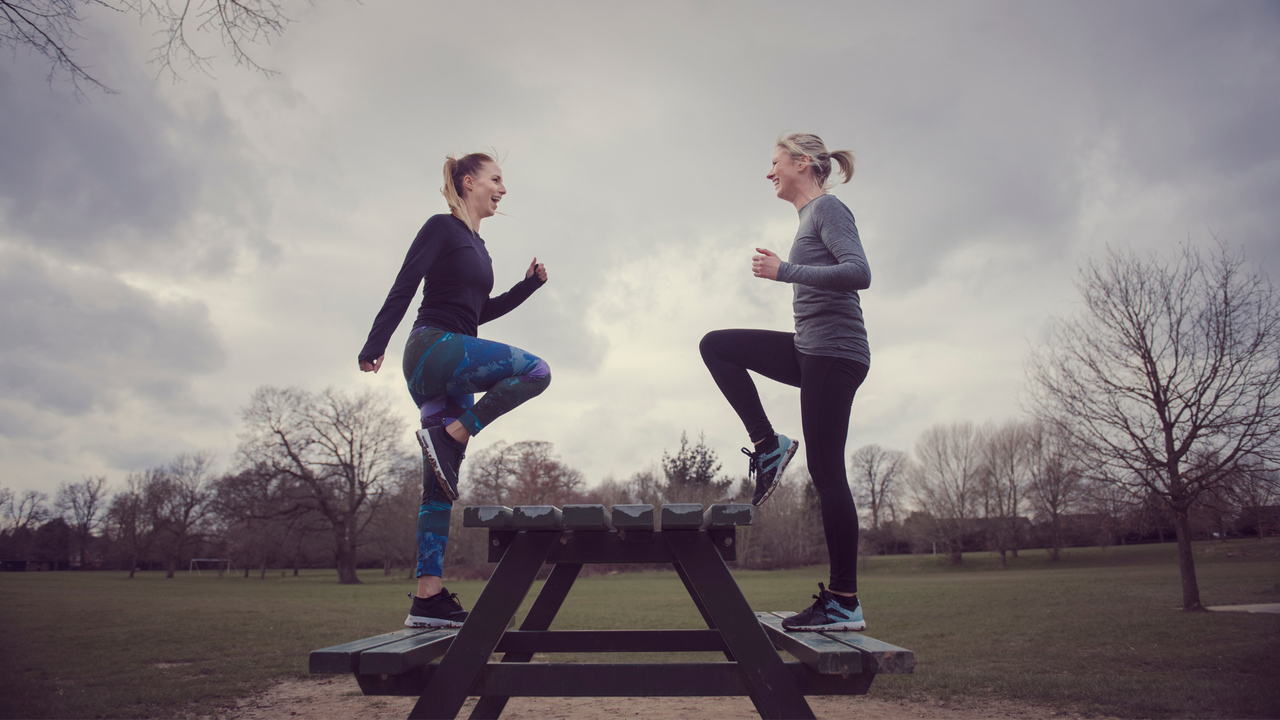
{"x":127,"y":181}
{"x":78,"y":340}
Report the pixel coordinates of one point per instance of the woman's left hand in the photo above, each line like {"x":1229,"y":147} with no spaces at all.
{"x":766,"y":264}
{"x":537,"y":268}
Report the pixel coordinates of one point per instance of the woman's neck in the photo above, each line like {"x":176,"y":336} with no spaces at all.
{"x":807,"y":197}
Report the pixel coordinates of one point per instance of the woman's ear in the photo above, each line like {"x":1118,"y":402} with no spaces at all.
{"x":468,"y":182}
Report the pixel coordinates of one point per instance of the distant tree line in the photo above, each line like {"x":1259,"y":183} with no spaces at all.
{"x":1154,"y":416}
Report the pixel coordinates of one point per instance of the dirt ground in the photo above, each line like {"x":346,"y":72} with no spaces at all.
{"x":340,"y":697}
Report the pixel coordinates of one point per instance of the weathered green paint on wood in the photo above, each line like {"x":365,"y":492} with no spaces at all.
{"x":404,"y":655}
{"x":344,"y":658}
{"x":486,"y":516}
{"x":633,"y":517}
{"x":586,"y":518}
{"x":537,"y":517}
{"x":681,"y":516}
{"x":729,"y":515}
{"x":881,"y":656}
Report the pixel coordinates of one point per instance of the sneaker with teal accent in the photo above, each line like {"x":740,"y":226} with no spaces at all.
{"x":768,"y":467}
{"x":830,"y":612}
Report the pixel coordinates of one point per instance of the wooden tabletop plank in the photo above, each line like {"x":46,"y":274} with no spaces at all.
{"x":681,"y":516}
{"x":486,"y":516}
{"x":633,"y":517}
{"x":728,"y":515}
{"x":586,"y":518}
{"x":537,"y":517}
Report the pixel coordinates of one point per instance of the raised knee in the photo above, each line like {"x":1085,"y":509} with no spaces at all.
{"x":708,"y":345}
{"x":541,"y":374}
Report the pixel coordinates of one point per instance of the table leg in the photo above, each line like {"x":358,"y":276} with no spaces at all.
{"x":544,"y":610}
{"x":497,"y":604}
{"x":711,"y":623}
{"x":776,"y":694}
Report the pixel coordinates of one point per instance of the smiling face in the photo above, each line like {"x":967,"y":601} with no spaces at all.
{"x":790,"y":176}
{"x":483,"y":191}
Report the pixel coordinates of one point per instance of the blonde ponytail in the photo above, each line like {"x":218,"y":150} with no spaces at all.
{"x":800,"y":145}
{"x":451,"y":193}
{"x":455,"y":170}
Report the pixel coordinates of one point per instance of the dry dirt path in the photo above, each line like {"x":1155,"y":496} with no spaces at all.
{"x":340,"y":697}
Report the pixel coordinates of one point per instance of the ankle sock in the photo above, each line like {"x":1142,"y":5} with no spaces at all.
{"x":849,"y":602}
{"x":767,"y":445}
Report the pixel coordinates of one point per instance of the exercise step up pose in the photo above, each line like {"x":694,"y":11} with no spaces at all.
{"x":827,"y":357}
{"x":445,"y":363}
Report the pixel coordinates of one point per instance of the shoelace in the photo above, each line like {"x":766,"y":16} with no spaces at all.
{"x":753,"y":464}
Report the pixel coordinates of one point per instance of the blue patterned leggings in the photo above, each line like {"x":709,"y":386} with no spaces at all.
{"x":444,"y":370}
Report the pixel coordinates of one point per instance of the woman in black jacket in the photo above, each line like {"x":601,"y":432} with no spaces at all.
{"x":445,"y":363}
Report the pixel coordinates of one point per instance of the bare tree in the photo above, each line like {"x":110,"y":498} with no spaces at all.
{"x":875,"y":474}
{"x":333,"y":453}
{"x":1006,"y":474}
{"x":785,"y":533}
{"x":83,"y":505}
{"x":1253,"y":489}
{"x":645,"y":486}
{"x":523,"y":473}
{"x":946,"y":481}
{"x":259,"y":521}
{"x":392,"y":532}
{"x":182,"y":503}
{"x":1056,"y":486}
{"x":1169,"y":379}
{"x":23,"y":512}
{"x":51,"y":28}
{"x":20,"y":517}
{"x":132,"y":515}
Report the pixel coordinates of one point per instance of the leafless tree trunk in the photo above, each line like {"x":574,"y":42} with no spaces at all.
{"x":946,"y":481}
{"x":875,"y":473}
{"x":83,"y":505}
{"x":1169,"y":379}
{"x":185,"y":495}
{"x":1006,"y":475}
{"x":1056,"y":487}
{"x":132,"y":515}
{"x":334,"y":454}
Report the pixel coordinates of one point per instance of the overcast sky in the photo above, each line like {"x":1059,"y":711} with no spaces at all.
{"x":168,"y":249}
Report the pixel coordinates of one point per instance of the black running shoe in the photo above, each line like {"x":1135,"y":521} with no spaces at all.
{"x":767,"y":467}
{"x":830,"y":612}
{"x":439,"y":610}
{"x":445,"y":455}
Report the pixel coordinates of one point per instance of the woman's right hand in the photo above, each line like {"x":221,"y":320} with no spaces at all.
{"x":367,"y":366}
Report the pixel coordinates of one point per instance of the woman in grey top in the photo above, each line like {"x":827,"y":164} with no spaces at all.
{"x":827,"y":357}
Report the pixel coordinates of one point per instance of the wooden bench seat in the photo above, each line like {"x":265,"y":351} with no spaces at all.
{"x":407,"y":651}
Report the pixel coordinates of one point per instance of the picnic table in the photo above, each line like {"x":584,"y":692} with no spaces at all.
{"x":442,"y":667}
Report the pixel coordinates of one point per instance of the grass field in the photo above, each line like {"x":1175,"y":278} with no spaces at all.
{"x":1098,"y":632}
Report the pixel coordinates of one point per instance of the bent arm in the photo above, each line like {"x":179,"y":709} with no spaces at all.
{"x":496,"y":307}
{"x":851,"y":270}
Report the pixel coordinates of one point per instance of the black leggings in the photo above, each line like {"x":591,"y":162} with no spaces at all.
{"x":827,"y":386}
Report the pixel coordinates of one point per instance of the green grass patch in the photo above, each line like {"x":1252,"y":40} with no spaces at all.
{"x":1098,"y":632}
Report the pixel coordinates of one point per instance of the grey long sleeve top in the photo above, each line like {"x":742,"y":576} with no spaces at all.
{"x":826,"y":268}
